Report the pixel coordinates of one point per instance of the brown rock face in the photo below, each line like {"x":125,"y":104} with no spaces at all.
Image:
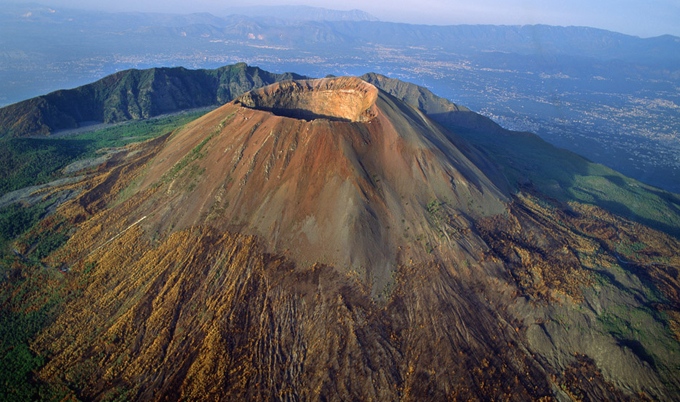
{"x":322,"y":240}
{"x":345,"y":182}
{"x":339,"y":99}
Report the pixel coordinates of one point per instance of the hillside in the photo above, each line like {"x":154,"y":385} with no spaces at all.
{"x":132,"y":94}
{"x":414,"y":95}
{"x":324,"y":239}
{"x":528,"y":161}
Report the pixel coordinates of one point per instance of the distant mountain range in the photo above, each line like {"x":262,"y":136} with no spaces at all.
{"x":319,"y":25}
{"x":301,"y":13}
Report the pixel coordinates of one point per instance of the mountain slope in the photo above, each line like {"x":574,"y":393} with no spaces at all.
{"x":527,"y":160}
{"x":414,"y":95}
{"x":323,"y":239}
{"x":132,"y":94}
{"x":389,"y":163}
{"x":311,"y":221}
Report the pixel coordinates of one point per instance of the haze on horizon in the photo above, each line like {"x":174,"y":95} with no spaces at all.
{"x":644,"y":19}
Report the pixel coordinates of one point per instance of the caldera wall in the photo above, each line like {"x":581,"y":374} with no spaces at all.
{"x":342,"y":99}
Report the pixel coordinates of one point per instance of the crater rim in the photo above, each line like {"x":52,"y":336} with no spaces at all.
{"x":343,"y":99}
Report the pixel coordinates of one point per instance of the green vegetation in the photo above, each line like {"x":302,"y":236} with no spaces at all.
{"x":30,"y":294}
{"x":31,"y":161}
{"x":30,"y":297}
{"x":16,"y":223}
{"x":433,"y":207}
{"x":642,"y":328}
{"x":630,"y":249}
{"x":645,"y":332}
{"x":132,"y":95}
{"x":190,"y":157}
{"x":136,"y":131}
{"x":28,"y":161}
{"x":526,"y":160}
{"x":193,"y":155}
{"x":15,"y":220}
{"x":49,"y":242}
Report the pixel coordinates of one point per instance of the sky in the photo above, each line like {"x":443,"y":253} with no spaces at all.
{"x":634,"y":17}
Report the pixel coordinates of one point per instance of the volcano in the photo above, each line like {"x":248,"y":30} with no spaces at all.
{"x":330,"y":171}
{"x":322,"y":239}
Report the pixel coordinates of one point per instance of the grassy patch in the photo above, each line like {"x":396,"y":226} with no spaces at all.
{"x":30,"y":161}
{"x":193,"y":155}
{"x":645,"y":332}
{"x":433,"y":207}
{"x":525,"y":159}
{"x":134,"y":131}
{"x":45,"y":237}
{"x":630,"y":250}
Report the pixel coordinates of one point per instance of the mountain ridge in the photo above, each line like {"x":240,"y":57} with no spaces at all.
{"x":140,"y":94}
{"x":303,"y":13}
{"x":132,"y":94}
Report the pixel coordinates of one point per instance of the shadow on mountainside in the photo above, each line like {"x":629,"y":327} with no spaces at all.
{"x":527,"y":160}
{"x":301,"y":114}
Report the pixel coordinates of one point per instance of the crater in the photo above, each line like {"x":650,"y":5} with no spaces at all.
{"x":347,"y":99}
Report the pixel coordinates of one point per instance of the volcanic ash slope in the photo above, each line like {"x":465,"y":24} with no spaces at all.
{"x":321,"y":239}
{"x":330,"y":171}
